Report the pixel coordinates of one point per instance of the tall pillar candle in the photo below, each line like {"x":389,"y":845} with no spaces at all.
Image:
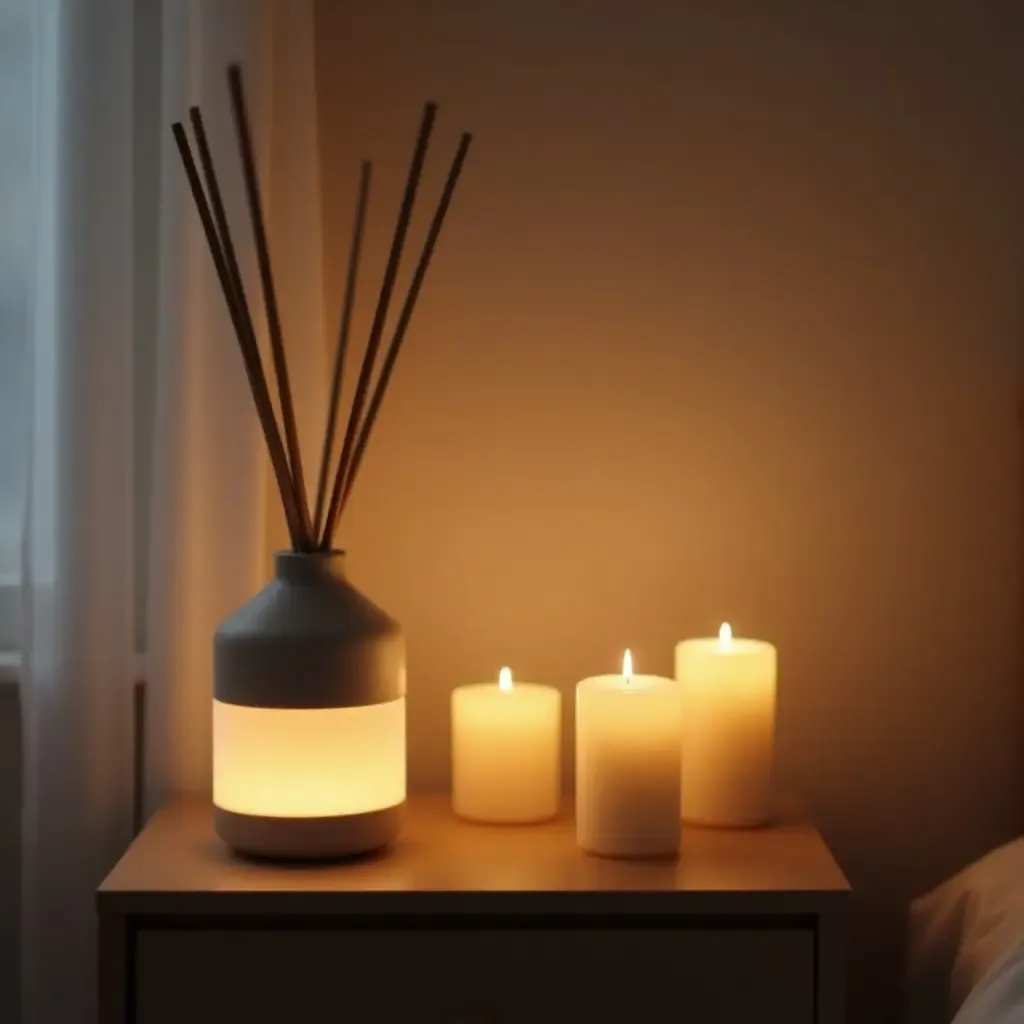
{"x":627,"y":764}
{"x":728,"y":688}
{"x":506,"y":751}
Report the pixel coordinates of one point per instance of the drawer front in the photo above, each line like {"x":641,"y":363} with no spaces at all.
{"x":467,"y":976}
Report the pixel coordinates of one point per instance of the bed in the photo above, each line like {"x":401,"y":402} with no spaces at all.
{"x":966,"y":945}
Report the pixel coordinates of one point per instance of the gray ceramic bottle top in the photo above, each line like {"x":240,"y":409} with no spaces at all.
{"x":309,"y":639}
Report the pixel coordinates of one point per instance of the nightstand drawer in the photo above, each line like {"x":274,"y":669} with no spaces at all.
{"x":514,"y":975}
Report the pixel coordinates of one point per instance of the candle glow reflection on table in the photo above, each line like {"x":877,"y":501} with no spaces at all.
{"x":506,"y":751}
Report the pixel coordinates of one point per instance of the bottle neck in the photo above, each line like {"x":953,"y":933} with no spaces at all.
{"x":309,"y":567}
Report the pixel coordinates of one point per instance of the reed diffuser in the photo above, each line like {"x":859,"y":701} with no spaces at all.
{"x":309,"y":675}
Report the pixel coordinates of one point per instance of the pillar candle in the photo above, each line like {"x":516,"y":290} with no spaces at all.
{"x":506,"y":751}
{"x":627,"y":764}
{"x":728,"y":696}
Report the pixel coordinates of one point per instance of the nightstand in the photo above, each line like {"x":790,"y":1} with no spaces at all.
{"x":463,"y":924}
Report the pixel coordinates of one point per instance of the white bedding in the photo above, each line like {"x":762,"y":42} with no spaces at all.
{"x":999,"y":997}
{"x":966,"y":945}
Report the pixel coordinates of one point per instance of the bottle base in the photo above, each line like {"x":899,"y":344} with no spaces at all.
{"x":332,"y":838}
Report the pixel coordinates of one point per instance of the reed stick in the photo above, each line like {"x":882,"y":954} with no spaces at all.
{"x":341,"y":350}
{"x":230,"y":259}
{"x":406,"y":314}
{"x":246,"y":343}
{"x":252,"y":191}
{"x":380,"y":315}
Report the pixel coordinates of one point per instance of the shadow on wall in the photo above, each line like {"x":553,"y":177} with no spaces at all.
{"x":10,"y":849}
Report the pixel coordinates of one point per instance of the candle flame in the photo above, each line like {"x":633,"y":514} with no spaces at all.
{"x":627,"y":665}
{"x":505,"y":680}
{"x":725,"y":634}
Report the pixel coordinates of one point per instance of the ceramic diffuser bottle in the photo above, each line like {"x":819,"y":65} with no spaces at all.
{"x":309,"y":675}
{"x":308,"y":716}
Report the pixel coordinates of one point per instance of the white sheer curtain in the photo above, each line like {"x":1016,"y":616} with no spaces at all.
{"x":208,"y":529}
{"x":131,"y":345}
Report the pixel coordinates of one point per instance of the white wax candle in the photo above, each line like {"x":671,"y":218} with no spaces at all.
{"x":627,"y":764}
{"x":728,"y":694}
{"x":506,"y":751}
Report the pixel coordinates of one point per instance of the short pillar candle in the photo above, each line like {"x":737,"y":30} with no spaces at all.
{"x":627,"y":765}
{"x":728,"y":688}
{"x":506,"y":751}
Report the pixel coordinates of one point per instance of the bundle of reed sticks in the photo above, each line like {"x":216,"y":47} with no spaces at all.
{"x":308,"y":531}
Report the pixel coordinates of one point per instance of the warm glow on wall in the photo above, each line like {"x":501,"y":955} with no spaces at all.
{"x":308,"y":762}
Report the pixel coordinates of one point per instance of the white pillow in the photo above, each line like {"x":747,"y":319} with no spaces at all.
{"x":960,"y":931}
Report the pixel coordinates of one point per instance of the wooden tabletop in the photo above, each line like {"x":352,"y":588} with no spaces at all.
{"x":443,"y":865}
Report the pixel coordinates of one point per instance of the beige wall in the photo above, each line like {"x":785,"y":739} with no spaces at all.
{"x":725,"y":324}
